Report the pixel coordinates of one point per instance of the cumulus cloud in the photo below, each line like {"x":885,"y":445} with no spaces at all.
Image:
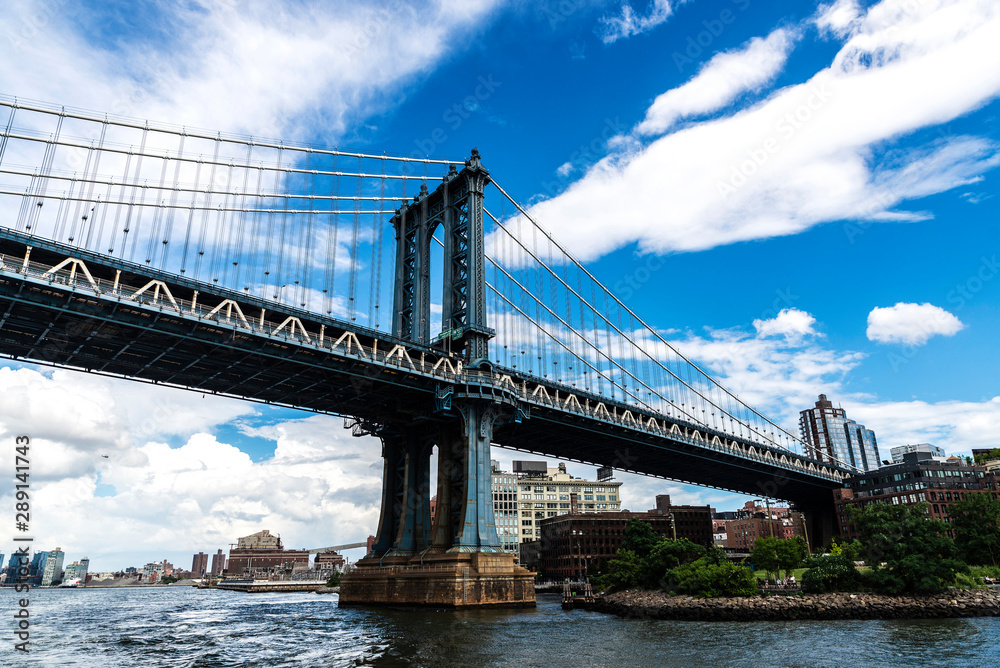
{"x":628,"y":23}
{"x":911,"y":324}
{"x":838,"y":18}
{"x":321,"y":486}
{"x":721,"y":80}
{"x":790,"y":322}
{"x":783,"y":375}
{"x":808,"y":153}
{"x":274,"y":70}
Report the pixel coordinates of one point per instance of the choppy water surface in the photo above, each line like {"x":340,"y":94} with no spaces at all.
{"x":191,"y":627}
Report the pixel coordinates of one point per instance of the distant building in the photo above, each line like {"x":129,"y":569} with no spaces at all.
{"x":218,"y":563}
{"x":77,"y":570}
{"x":691,"y":522}
{"x":831,"y":437}
{"x":534,"y":492}
{"x":569,"y":544}
{"x":755,"y":521}
{"x":263,"y":551}
{"x":914,"y":481}
{"x":14,"y":566}
{"x":152,"y":572}
{"x":329,"y":561}
{"x":505,"y":509}
{"x":199,"y":564}
{"x":926,"y":450}
{"x":544,"y":492}
{"x":719,"y":535}
{"x":53,"y":571}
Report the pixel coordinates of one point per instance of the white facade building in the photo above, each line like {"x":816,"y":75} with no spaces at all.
{"x":521,"y":500}
{"x":926,"y":449}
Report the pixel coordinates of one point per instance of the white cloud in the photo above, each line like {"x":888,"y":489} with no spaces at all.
{"x":721,"y":80}
{"x":782,"y":376}
{"x":565,"y":169}
{"x":628,"y":23}
{"x":911,"y":324}
{"x":321,"y":487}
{"x":838,"y":18}
{"x":256,"y":67}
{"x":790,"y":322}
{"x":809,"y":153}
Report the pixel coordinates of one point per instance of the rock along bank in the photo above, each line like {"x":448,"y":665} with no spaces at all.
{"x":660,"y":605}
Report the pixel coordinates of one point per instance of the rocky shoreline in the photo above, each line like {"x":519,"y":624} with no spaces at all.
{"x":659,"y":605}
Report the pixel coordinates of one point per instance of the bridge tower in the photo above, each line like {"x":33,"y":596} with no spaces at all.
{"x":454,"y":559}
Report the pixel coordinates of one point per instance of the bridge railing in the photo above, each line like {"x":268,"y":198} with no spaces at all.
{"x":73,"y":274}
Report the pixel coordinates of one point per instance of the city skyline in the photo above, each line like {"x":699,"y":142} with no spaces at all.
{"x":822,"y":219}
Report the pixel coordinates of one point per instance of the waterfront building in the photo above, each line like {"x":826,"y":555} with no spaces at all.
{"x":37,"y":567}
{"x":77,"y":570}
{"x":218,"y":563}
{"x":544,"y":492}
{"x":719,"y":535}
{"x":830,"y":436}
{"x":533,"y":492}
{"x":505,"y":509}
{"x":329,"y":561}
{"x":14,"y":567}
{"x":755,"y":521}
{"x":263,"y":551}
{"x":152,"y":572}
{"x":569,"y":544}
{"x":916,"y":480}
{"x":199,"y":564}
{"x":926,"y":451}
{"x":691,"y":522}
{"x":52,"y":573}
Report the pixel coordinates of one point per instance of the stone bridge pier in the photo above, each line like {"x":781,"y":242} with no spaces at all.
{"x":453,"y":559}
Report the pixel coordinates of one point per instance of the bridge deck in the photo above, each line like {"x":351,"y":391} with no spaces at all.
{"x":121,"y":319}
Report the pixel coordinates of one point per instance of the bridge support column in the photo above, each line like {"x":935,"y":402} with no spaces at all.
{"x":465,"y":521}
{"x":464,"y":564}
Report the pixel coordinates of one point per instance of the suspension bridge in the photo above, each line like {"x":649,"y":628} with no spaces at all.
{"x":264,"y":270}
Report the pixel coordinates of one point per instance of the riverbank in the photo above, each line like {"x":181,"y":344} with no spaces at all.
{"x":660,"y":605}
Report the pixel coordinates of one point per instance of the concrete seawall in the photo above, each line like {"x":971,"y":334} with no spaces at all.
{"x":659,"y":605}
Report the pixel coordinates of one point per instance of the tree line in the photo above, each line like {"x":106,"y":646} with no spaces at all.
{"x":903,"y":550}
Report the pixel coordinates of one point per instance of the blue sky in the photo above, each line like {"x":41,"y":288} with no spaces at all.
{"x":850,"y":248}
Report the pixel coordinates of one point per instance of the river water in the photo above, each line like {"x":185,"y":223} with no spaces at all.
{"x":190,"y":627}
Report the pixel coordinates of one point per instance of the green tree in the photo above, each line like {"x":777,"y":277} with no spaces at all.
{"x":640,"y":538}
{"x":792,"y":553}
{"x":990,"y":456}
{"x":778,"y":554}
{"x":706,"y":578}
{"x":906,"y":550}
{"x":668,"y":554}
{"x":832,"y":572}
{"x":625,"y":571}
{"x":334,"y":580}
{"x":976,"y":521}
